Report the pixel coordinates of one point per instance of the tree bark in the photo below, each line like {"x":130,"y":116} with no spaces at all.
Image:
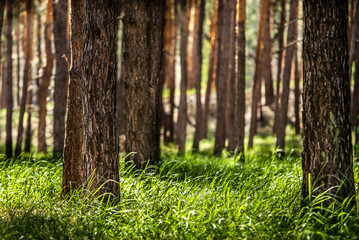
{"x":280,"y":61}
{"x":296,"y":91}
{"x":267,"y":62}
{"x":354,"y":51}
{"x":289,"y":56}
{"x":224,"y":27}
{"x":17,"y":36}
{"x":142,"y":58}
{"x":27,"y":72}
{"x":182,"y":110}
{"x":60,"y":17}
{"x":99,"y":71}
{"x":198,"y":75}
{"x":45,"y":80}
{"x":73,"y":162}
{"x":327,"y":159}
{"x":9,"y":92}
{"x":256,"y":96}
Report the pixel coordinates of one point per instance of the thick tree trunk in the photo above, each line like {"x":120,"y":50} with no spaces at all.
{"x":256,"y":96}
{"x":239,"y":117}
{"x":143,"y":79}
{"x":182,"y":110}
{"x":27,"y":73}
{"x":73,"y":163}
{"x":198,"y":75}
{"x":280,"y":61}
{"x":45,"y":80}
{"x":9,"y":92}
{"x":99,"y":72}
{"x":289,"y":56}
{"x":212,"y":69}
{"x":60,"y":16}
{"x":224,"y":34}
{"x":327,"y":159}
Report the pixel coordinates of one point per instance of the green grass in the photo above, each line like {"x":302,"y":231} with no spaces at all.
{"x":195,"y":196}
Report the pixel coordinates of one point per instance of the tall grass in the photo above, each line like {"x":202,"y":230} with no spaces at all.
{"x":195,"y":196}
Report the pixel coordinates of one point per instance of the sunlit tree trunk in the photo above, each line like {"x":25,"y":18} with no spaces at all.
{"x":27,"y":72}
{"x":289,"y":56}
{"x":327,"y":159}
{"x":256,"y":95}
{"x":17,"y":36}
{"x":45,"y":80}
{"x":73,"y":157}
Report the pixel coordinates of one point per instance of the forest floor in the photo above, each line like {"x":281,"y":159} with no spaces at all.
{"x":196,"y":196}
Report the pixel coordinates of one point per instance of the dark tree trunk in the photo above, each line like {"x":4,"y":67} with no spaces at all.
{"x":198,"y":75}
{"x":73,"y":163}
{"x":212,"y":69}
{"x":9,"y":92}
{"x":45,"y":80}
{"x":60,"y":15}
{"x":280,"y":61}
{"x":27,"y":73}
{"x":296,"y":92}
{"x":143,"y":79}
{"x":239,"y":117}
{"x":224,"y":36}
{"x":327,"y":158}
{"x":17,"y":36}
{"x":99,"y":72}
{"x":2,"y":97}
{"x":256,"y":96}
{"x":289,"y":56}
{"x":182,"y":110}
{"x":267,"y":64}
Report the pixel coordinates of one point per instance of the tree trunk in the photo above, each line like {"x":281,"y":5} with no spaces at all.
{"x":73,"y":163}
{"x":27,"y":72}
{"x":212,"y":69}
{"x":224,"y":27}
{"x":99,"y":71}
{"x":60,"y":13}
{"x":182,"y":110}
{"x":17,"y":36}
{"x":289,"y":56}
{"x":197,"y":67}
{"x":267,"y":61}
{"x":327,"y":159}
{"x":239,"y":116}
{"x":190,"y":47}
{"x":354,"y":50}
{"x":256,"y":96}
{"x":9,"y":92}
{"x":296,"y":92}
{"x":45,"y":80}
{"x":280,"y":61}
{"x":143,"y":81}
{"x":28,"y":130}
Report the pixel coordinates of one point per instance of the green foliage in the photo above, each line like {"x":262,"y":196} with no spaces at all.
{"x":195,"y":196}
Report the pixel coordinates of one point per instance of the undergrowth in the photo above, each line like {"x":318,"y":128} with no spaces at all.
{"x":195,"y":196}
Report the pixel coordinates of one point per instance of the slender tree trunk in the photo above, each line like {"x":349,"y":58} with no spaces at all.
{"x":45,"y":80}
{"x":267,"y":52}
{"x":190,"y":47}
{"x":182,"y":111}
{"x":289,"y":56}
{"x":27,"y":73}
{"x":17,"y":36}
{"x":198,"y":75}
{"x":239,"y":117}
{"x":212,"y":69}
{"x":73,"y":163}
{"x":143,"y":82}
{"x":354,"y":51}
{"x":280,"y":61}
{"x":60,"y":12}
{"x":9,"y":92}
{"x":224,"y":36}
{"x":296,"y":92}
{"x":99,"y":71}
{"x":28,"y":130}
{"x":257,"y":73}
{"x":327,"y":158}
